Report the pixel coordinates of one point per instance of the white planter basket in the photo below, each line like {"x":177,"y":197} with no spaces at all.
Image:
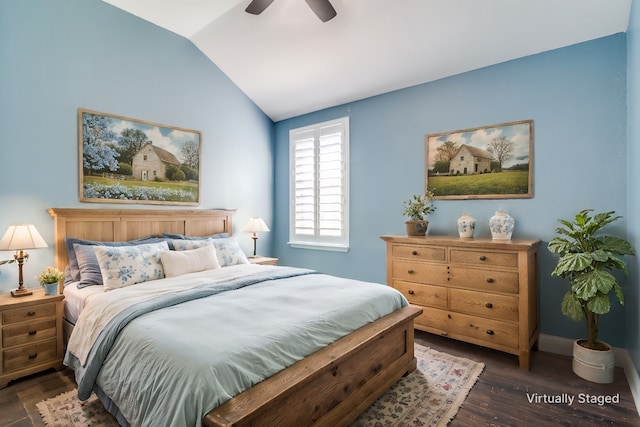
{"x":593,"y":365}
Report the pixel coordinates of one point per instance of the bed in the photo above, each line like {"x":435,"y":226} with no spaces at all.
{"x":330,"y":386}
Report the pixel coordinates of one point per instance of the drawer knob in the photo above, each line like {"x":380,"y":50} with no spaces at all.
{"x":489,"y":280}
{"x":411,"y":292}
{"x":33,"y":332}
{"x":483,"y":258}
{"x":31,"y":313}
{"x":489,"y":332}
{"x":488,"y":305}
{"x":33,"y":355}
{"x":414,"y":253}
{"x":410,"y":271}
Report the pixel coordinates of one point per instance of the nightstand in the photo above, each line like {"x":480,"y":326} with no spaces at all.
{"x":263,"y":260}
{"x":31,"y":331}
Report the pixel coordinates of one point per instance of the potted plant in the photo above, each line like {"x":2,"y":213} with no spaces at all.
{"x":588,"y":259}
{"x":417,"y":208}
{"x":49,"y":279}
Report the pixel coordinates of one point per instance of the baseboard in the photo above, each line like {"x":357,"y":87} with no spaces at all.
{"x":564,"y":346}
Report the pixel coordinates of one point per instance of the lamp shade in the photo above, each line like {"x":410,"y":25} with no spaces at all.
{"x":255,"y":225}
{"x":22,"y":236}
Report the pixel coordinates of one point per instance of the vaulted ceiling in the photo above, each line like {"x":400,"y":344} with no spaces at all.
{"x":290,"y":63}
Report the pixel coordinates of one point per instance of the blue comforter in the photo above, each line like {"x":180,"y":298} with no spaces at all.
{"x":172,"y":358}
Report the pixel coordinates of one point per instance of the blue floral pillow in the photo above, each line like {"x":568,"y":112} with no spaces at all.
{"x":229,"y":252}
{"x":127,"y":265}
{"x":187,"y":245}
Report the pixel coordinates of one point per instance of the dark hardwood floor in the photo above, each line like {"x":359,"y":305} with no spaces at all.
{"x":499,"y":398}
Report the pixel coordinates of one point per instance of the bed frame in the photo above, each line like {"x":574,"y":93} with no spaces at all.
{"x":328,"y":388}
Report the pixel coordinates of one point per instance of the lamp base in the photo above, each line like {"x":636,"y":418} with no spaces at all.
{"x":21,"y":292}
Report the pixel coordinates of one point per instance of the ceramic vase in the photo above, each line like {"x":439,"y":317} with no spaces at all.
{"x":466,"y":225}
{"x":501,"y":225}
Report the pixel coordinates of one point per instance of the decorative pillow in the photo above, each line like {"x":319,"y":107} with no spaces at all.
{"x":183,"y":237}
{"x":72,"y":273}
{"x":176,"y":263}
{"x":127,"y":265}
{"x":187,"y":245}
{"x":228,"y":252}
{"x":88,"y":267}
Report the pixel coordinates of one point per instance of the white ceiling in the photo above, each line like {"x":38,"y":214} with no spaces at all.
{"x":290,"y":63}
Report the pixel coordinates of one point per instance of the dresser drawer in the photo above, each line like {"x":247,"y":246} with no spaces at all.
{"x":19,"y":358}
{"x":501,"y":307}
{"x":425,"y":253}
{"x":484,"y":280}
{"x":29,"y":313}
{"x":424,"y":295}
{"x":28,"y":332}
{"x":419,"y":272}
{"x":459,"y":326}
{"x":494,"y":259}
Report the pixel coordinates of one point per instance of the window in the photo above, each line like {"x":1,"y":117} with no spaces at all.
{"x":319,"y":190}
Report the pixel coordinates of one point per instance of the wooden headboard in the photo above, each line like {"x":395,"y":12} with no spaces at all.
{"x":117,"y":225}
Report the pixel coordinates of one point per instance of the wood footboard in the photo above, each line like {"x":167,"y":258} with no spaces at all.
{"x":332,"y":386}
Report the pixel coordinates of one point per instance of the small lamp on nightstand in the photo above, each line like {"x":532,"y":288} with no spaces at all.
{"x":255,"y":225}
{"x":19,"y":238}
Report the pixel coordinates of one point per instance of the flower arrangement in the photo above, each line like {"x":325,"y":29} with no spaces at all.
{"x":50,"y":275}
{"x":417,"y":207}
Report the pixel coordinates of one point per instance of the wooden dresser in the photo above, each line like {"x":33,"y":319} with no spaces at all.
{"x":31,"y":330}
{"x":482,"y":291}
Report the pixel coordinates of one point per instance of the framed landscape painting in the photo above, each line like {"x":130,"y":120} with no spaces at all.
{"x":125,"y":160}
{"x":490,"y":162}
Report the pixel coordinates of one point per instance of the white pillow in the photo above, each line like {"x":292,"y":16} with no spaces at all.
{"x":127,"y":265}
{"x":176,"y":263}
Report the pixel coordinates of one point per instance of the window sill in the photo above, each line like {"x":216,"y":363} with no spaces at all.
{"x":319,"y":246}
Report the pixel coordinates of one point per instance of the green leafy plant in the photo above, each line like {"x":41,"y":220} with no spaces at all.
{"x":50,"y":275}
{"x":588,"y":259}
{"x":417,"y":207}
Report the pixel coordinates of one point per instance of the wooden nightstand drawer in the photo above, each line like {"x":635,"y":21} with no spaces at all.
{"x":29,"y":313}
{"x":19,"y":358}
{"x":420,"y":252}
{"x":494,"y":259}
{"x":28,"y":332}
{"x":424,"y":295}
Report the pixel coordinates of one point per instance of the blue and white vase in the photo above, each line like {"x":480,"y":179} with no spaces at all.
{"x":466,"y":225}
{"x":501,"y":225}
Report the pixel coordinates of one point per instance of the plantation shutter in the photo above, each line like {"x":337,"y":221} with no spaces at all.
{"x":319,"y":186}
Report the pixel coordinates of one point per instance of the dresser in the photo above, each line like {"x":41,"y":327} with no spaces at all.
{"x":31,"y":330}
{"x":478,"y":290}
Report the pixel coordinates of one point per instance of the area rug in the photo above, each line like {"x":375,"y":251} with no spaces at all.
{"x":429,"y":396}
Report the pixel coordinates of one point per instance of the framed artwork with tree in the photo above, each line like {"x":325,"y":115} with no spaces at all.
{"x":489,"y":162}
{"x":125,"y":160}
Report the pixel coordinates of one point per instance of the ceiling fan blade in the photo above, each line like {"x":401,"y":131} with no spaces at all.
{"x":256,"y":7}
{"x":323,"y":9}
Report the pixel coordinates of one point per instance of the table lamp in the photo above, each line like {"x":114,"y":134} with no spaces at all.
{"x":19,"y":238}
{"x":255,"y":225}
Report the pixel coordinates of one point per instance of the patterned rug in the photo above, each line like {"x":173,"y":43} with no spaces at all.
{"x":429,"y":396}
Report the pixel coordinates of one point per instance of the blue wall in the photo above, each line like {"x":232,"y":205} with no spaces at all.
{"x":633,"y":179}
{"x":59,"y":55}
{"x":577,"y":99}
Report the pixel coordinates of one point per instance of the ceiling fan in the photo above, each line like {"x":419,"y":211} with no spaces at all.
{"x":322,"y":8}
